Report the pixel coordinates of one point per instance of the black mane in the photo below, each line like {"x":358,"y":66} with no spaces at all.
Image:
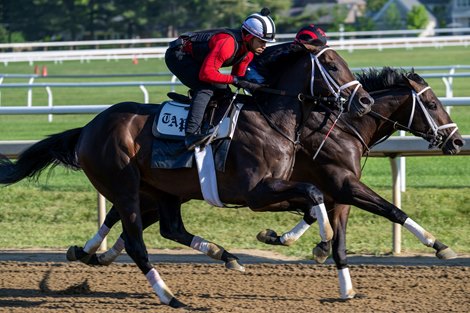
{"x":386,"y":78}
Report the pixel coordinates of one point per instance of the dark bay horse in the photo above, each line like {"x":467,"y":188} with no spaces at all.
{"x":114,"y":151}
{"x":402,"y":101}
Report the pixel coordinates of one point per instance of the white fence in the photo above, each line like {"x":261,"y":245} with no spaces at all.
{"x":447,"y":79}
{"x":155,"y":48}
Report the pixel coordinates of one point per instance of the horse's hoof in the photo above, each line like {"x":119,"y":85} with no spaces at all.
{"x":176,"y":304}
{"x":93,"y":260}
{"x":349,"y":295}
{"x":71,"y":255}
{"x":267,"y":236}
{"x":234,"y":265}
{"x":446,"y":254}
{"x":320,"y":255}
{"x":75,"y":253}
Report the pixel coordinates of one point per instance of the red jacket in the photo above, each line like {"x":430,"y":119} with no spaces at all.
{"x":222,"y":47}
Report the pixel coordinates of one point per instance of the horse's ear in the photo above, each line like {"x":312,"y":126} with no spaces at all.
{"x":408,"y":79}
{"x":312,"y":48}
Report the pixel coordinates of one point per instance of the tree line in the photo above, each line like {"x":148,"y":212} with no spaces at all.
{"x":54,"y":20}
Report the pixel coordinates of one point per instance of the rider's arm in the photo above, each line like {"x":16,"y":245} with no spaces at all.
{"x":240,"y":68}
{"x":222,"y":47}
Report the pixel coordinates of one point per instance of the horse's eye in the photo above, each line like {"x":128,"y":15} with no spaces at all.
{"x":332,"y":67}
{"x":432,"y":105}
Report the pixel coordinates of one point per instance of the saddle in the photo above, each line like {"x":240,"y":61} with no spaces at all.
{"x":168,"y":128}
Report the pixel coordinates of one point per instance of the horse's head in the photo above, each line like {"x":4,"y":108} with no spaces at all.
{"x":331,"y":76}
{"x":429,"y":119}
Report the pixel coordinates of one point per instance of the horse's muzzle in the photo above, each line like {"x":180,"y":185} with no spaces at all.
{"x":453,"y":146}
{"x":363,"y":105}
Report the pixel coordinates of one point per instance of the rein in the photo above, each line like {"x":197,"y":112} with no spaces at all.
{"x":313,"y":100}
{"x":435,"y":139}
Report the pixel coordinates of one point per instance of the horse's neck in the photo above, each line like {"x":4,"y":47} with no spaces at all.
{"x":394,"y":105}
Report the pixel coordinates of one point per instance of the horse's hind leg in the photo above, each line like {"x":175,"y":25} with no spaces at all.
{"x":172,"y":227}
{"x":270,"y":237}
{"x":87,"y":254}
{"x":279,"y":195}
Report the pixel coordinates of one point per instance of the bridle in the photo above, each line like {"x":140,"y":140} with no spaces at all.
{"x":435,"y":138}
{"x":332,"y":85}
{"x":334,"y":88}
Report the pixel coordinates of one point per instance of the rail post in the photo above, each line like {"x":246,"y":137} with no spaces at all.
{"x":396,"y":176}
{"x":101,"y":217}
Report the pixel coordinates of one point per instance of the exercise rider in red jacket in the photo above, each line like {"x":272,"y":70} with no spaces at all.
{"x":196,"y":58}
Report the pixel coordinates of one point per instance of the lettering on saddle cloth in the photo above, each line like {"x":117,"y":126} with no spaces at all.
{"x":170,"y":123}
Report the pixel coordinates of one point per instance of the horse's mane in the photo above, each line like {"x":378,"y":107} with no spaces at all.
{"x":379,"y":79}
{"x":281,"y":61}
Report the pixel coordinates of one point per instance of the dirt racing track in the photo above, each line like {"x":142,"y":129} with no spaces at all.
{"x":42,"y":281}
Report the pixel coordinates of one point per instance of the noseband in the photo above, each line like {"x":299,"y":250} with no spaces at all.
{"x":435,"y":139}
{"x":334,"y":88}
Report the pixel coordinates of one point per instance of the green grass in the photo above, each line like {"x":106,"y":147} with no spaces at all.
{"x":60,"y":209}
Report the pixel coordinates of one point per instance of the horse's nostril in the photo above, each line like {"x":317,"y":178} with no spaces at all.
{"x":459,"y":142}
{"x":366,"y":100}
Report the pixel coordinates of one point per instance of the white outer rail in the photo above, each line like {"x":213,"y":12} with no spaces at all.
{"x":158,"y":52}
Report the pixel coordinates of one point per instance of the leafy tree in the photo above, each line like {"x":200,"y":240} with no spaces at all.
{"x":393,"y":18}
{"x":417,"y":17}
{"x":365,"y":23}
{"x":375,"y":5}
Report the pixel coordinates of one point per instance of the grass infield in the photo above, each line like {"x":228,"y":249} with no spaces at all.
{"x":59,"y":209}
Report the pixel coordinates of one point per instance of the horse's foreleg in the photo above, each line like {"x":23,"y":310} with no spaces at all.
{"x":340,"y":219}
{"x":267,"y":195}
{"x":366,"y":199}
{"x":87,"y":254}
{"x":172,"y":227}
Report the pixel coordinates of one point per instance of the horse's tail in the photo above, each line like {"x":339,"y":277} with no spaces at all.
{"x":54,"y":150}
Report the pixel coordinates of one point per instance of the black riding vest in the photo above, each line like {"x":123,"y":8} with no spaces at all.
{"x":200,"y":44}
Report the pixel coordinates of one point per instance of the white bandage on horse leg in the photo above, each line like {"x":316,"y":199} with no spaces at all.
{"x":293,"y":235}
{"x":319,"y":212}
{"x":94,"y":243}
{"x":345,"y":284}
{"x":208,"y":248}
{"x":109,"y":256}
{"x":425,"y":237}
{"x":161,"y":289}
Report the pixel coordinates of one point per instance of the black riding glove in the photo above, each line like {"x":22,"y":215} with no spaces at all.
{"x":241,"y":83}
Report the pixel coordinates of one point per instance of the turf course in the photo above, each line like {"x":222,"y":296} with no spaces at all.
{"x":58,"y":210}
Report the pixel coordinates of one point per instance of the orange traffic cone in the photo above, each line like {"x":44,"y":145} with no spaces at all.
{"x":36,"y":70}
{"x":44,"y":70}
{"x":135,"y":60}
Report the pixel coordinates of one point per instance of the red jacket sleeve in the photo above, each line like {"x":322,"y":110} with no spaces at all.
{"x":222,"y":47}
{"x":239,"y":69}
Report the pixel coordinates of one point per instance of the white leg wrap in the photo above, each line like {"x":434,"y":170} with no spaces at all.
{"x":161,"y":289}
{"x":94,"y":243}
{"x":200,"y":244}
{"x":208,"y":248}
{"x":109,"y":256}
{"x":319,"y":212}
{"x":294,"y":234}
{"x":425,"y":237}
{"x":345,"y":284}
